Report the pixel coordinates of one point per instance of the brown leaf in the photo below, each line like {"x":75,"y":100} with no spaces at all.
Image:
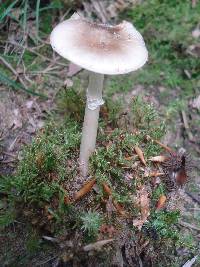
{"x":144,"y":208}
{"x":129,"y":158}
{"x":168,"y":149}
{"x":161,"y":202}
{"x":66,"y":200}
{"x":107,"y":189}
{"x":140,"y":154}
{"x":85,"y":189}
{"x":118,"y":207}
{"x":158,"y":159}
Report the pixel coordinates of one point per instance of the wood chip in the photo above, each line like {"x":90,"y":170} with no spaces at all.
{"x":140,"y":154}
{"x":85,"y":189}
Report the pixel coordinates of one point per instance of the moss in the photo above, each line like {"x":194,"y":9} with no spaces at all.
{"x":163,"y":223}
{"x":91,"y":222}
{"x":48,"y":176}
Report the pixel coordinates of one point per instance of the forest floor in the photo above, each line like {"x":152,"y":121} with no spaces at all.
{"x":33,"y":82}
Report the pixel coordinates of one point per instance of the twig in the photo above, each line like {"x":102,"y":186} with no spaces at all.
{"x":13,"y":71}
{"x":195,"y":199}
{"x":188,"y":225}
{"x":38,"y":54}
{"x":24,"y":72}
{"x":99,"y":10}
{"x":186,"y":126}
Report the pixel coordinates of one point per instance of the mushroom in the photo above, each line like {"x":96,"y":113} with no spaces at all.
{"x":100,"y":49}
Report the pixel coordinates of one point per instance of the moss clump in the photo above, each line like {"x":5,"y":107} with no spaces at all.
{"x":43,"y":166}
{"x":48,"y":177}
{"x":91,"y":222}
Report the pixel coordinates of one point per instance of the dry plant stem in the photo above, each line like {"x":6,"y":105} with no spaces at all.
{"x":90,"y":125}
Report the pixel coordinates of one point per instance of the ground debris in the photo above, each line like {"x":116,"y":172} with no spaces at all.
{"x":144,"y":203}
{"x":97,"y":245}
{"x":189,"y":263}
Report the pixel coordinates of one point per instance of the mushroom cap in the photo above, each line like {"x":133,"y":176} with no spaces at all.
{"x":100,"y":48}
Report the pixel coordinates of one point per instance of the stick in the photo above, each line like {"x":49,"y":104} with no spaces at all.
{"x":188,"y":225}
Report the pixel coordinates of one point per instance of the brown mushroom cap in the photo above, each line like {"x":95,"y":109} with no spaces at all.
{"x":100,"y":48}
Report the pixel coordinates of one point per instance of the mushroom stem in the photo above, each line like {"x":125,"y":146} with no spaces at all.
{"x":90,"y":125}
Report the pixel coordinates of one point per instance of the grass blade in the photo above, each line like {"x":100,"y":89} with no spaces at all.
{"x":37,"y":18}
{"x":25,"y":9}
{"x":16,"y":86}
{"x":8,"y":9}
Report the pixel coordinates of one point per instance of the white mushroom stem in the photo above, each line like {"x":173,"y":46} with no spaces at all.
{"x":90,"y":125}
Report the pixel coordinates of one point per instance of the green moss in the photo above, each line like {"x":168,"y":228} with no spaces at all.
{"x":43,"y":167}
{"x":163,"y":224}
{"x":33,"y":243}
{"x":91,"y":222}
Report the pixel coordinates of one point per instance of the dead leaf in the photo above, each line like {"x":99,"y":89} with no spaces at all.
{"x":140,"y":154}
{"x":144,"y":208}
{"x":85,"y":189}
{"x":97,"y":245}
{"x":161,"y":202}
{"x":73,"y":69}
{"x":29,"y":104}
{"x":129,"y":158}
{"x":168,"y":149}
{"x":17,"y":121}
{"x":66,"y":200}
{"x":196,"y":103}
{"x":107,"y":189}
{"x":68,"y":82}
{"x":158,"y":159}
{"x":117,"y":206}
{"x":108,"y":230}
